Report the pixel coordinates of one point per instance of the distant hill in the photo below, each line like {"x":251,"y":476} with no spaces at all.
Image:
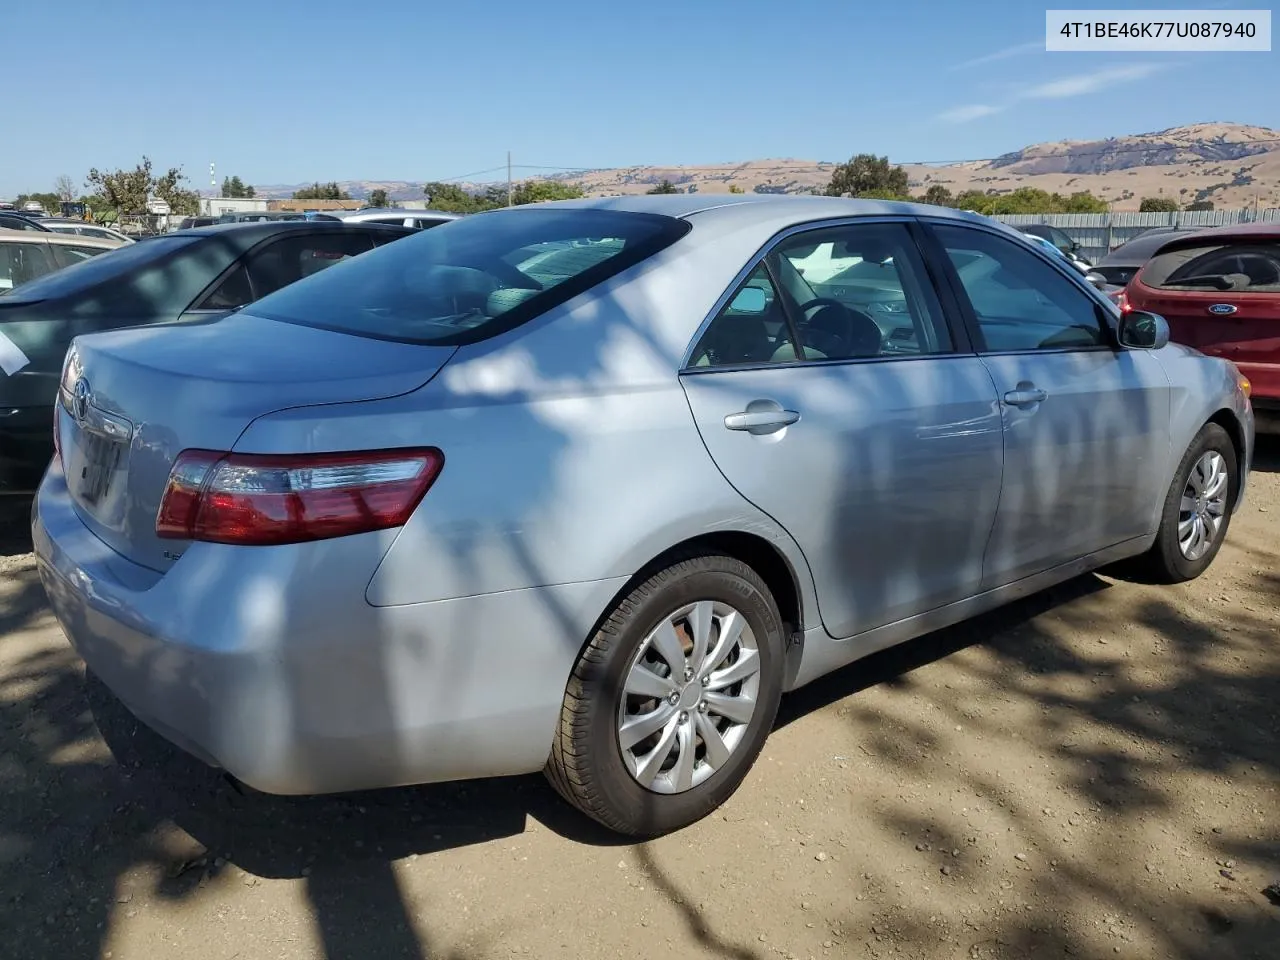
{"x":1231,"y":164}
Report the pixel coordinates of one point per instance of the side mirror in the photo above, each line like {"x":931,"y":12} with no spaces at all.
{"x":1097,"y":279}
{"x":749,"y":300}
{"x":1143,"y":331}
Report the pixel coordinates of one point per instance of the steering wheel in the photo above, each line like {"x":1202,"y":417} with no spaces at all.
{"x":821,"y":302}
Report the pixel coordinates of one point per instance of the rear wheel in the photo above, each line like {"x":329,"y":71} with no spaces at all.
{"x":1197,"y":508}
{"x":671,"y":701}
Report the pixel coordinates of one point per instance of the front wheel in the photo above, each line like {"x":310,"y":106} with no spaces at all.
{"x":1197,"y":508}
{"x":671,"y":701}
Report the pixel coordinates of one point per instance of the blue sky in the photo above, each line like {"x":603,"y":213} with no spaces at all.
{"x":282,"y":91}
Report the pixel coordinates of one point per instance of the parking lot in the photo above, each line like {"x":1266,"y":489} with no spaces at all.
{"x":1091,"y":772}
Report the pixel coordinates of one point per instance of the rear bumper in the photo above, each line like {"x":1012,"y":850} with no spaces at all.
{"x":238,"y":659}
{"x":1264,"y":379}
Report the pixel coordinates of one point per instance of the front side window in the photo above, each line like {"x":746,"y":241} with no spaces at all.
{"x":840,"y":293}
{"x":1019,"y":301}
{"x":486,"y":273}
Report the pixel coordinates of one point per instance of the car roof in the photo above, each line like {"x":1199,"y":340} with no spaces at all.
{"x":766,"y":212}
{"x":1225,"y":234}
{"x":1138,"y":251}
{"x":391,"y":211}
{"x":31,"y":236}
{"x":253,"y":231}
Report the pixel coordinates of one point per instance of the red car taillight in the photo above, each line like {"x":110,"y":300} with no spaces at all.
{"x":264,"y":499}
{"x":1122,"y":302}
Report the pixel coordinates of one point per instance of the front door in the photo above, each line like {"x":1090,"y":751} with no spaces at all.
{"x":1085,"y":421}
{"x":845,"y":409}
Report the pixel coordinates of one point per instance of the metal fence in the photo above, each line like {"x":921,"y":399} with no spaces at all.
{"x":1100,"y":233}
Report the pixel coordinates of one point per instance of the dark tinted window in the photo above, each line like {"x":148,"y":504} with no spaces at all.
{"x":19,"y":223}
{"x":1021,"y":302}
{"x":295,"y":258}
{"x":95,"y":270}
{"x":486,"y":273}
{"x":1239,"y":267}
{"x":232,"y":291}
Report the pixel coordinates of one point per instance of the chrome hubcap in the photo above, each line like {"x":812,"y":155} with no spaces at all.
{"x":1204,"y":504}
{"x":689,"y":694}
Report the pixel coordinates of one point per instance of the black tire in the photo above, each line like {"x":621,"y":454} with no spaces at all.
{"x":586,"y":765}
{"x":1165,"y":562}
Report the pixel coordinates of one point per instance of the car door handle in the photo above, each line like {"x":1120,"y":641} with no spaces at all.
{"x":760,"y":420}
{"x":1025,"y":396}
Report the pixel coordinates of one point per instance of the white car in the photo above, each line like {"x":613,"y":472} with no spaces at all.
{"x":83,"y":229}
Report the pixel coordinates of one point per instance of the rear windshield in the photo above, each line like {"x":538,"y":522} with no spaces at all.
{"x":107,"y":266}
{"x":473,"y":278}
{"x":1252,"y":267}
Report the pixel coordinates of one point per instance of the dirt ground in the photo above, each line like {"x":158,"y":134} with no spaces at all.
{"x":1090,"y":773}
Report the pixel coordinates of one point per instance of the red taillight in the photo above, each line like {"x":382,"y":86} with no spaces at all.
{"x":270,"y":499}
{"x":1122,"y":302}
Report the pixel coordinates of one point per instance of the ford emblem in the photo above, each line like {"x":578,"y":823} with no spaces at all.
{"x":80,"y":395}
{"x":1222,"y":309}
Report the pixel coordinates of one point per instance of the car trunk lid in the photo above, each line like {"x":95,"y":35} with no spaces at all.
{"x":132,"y":400}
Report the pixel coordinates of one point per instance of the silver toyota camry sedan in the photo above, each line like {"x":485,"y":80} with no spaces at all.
{"x":585,"y":487}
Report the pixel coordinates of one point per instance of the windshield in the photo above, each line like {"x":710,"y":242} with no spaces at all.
{"x":470,"y":279}
{"x":107,"y":266}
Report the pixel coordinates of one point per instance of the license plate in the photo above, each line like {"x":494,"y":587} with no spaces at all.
{"x":101,"y":457}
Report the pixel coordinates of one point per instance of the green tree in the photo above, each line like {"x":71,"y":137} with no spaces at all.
{"x":181,"y":200}
{"x":866,"y":173}
{"x":734,"y":188}
{"x":1082,"y":201}
{"x":1200,"y":205}
{"x":939,"y":196}
{"x":1158,"y":205}
{"x":235,"y":187}
{"x":666,"y":186}
{"x":451,"y":198}
{"x":974,"y":200}
{"x":378,"y":198}
{"x":538,"y":191}
{"x":124,"y":191}
{"x":322,"y":191}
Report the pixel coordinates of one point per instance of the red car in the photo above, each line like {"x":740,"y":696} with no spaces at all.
{"x":1220,"y":291}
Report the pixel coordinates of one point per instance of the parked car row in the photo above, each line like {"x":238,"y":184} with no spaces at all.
{"x":181,"y":277}
{"x":10,"y":220}
{"x":585,"y":487}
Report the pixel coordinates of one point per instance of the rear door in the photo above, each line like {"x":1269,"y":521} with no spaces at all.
{"x":850,"y":412}
{"x":1085,"y":421}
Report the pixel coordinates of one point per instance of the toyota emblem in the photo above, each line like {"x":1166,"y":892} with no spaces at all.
{"x":80,"y":394}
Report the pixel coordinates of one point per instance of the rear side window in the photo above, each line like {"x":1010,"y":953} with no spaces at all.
{"x":485,"y":274}
{"x":69,"y":253}
{"x":114,"y":264}
{"x":295,"y":258}
{"x":23,"y":262}
{"x":1237,"y":267}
